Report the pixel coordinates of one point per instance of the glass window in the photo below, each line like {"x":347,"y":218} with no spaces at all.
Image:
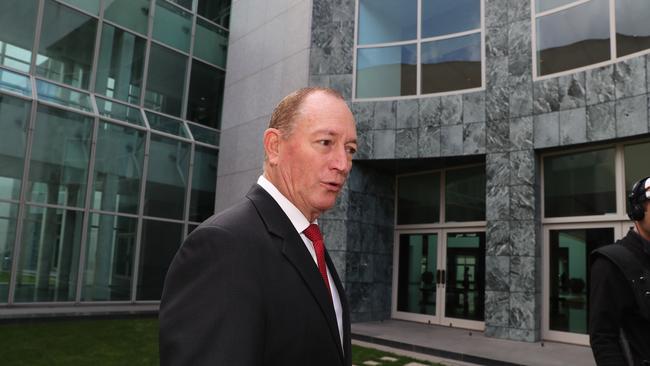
{"x":632,"y":26}
{"x":166,"y":177}
{"x":211,"y":43}
{"x":543,"y":5}
{"x":110,"y":250}
{"x":160,"y":241}
{"x":63,"y":96}
{"x":418,"y":199}
{"x":132,"y":14}
{"x":119,"y":111}
{"x":16,"y":83}
{"x":49,"y":255}
{"x":14,"y":122}
{"x":65,"y":53}
{"x":465,"y":194}
{"x":449,"y":16}
{"x":416,"y":286}
{"x":569,"y":276}
{"x":204,"y":183}
{"x":8,"y":214}
{"x":203,"y":134}
{"x":120,"y":65}
{"x":187,"y":4}
{"x":217,"y":11}
{"x":451,"y":64}
{"x":166,"y":80}
{"x":580,"y":184}
{"x":91,"y":6}
{"x":382,"y":21}
{"x":206,"y":94}
{"x":167,"y":124}
{"x":172,"y":26}
{"x":119,"y":158}
{"x":636,"y":164}
{"x":386,"y":71}
{"x":17,"y":24}
{"x":572,"y":38}
{"x":465,"y":277}
{"x":60,"y":154}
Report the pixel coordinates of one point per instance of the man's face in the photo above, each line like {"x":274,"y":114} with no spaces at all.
{"x":315,"y":159}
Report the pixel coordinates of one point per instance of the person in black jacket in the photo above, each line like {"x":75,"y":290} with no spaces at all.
{"x":615,"y":309}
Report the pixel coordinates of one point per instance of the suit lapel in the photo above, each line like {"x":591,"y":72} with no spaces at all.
{"x":345,"y":308}
{"x":294,"y":250}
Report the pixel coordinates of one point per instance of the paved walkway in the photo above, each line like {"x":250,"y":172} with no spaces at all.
{"x":472,"y":347}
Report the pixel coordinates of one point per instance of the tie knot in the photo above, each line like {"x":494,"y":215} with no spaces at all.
{"x":313,"y":233}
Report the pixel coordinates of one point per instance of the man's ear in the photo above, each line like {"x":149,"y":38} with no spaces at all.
{"x":272,"y":145}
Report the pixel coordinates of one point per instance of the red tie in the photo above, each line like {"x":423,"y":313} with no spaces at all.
{"x":313,"y":234}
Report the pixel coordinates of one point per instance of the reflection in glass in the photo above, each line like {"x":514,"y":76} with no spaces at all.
{"x":172,"y":26}
{"x":160,"y":241}
{"x":65,"y":53}
{"x":132,"y":14}
{"x":204,"y":182}
{"x":636,"y":165}
{"x":8,"y":214}
{"x":49,"y":255}
{"x":632,"y":26}
{"x":210,"y":43}
{"x":118,"y":168}
{"x":569,"y":276}
{"x":120,"y":65}
{"x":119,"y":111}
{"x":206,"y":94}
{"x":14,"y":82}
{"x":166,"y":124}
{"x":544,"y":5}
{"x":110,"y":249}
{"x":166,"y":80}
{"x":63,"y":96}
{"x":416,"y":282}
{"x":17,"y":24}
{"x":449,"y":16}
{"x":382,"y":21}
{"x":418,"y":199}
{"x":166,"y":177}
{"x":572,"y":38}
{"x":91,"y":6}
{"x":60,"y":154}
{"x":451,"y":64}
{"x":217,"y":11}
{"x":580,"y":184}
{"x":465,"y":194}
{"x":202,"y":134}
{"x":187,"y":4}
{"x":14,"y":122}
{"x":386,"y":71}
{"x":465,"y":277}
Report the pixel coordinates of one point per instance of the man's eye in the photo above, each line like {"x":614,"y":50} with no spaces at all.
{"x":325,"y":142}
{"x":351,"y":150}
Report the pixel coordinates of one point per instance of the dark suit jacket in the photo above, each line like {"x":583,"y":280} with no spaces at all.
{"x":243,"y":290}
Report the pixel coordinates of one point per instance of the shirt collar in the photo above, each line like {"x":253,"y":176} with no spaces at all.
{"x":296,"y":217}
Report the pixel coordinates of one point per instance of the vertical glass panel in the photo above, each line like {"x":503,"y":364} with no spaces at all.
{"x":172,"y":26}
{"x":167,"y":124}
{"x":160,"y":241}
{"x":204,"y":183}
{"x":636,"y":164}
{"x":14,"y":82}
{"x":418,"y":199}
{"x":465,"y":277}
{"x":632,"y":26}
{"x":8,"y":214}
{"x":120,"y":65}
{"x":191,"y":228}
{"x":187,"y":4}
{"x":119,"y":111}
{"x":166,"y":80}
{"x":210,"y":43}
{"x":386,"y":71}
{"x":543,"y":5}
{"x":91,"y":6}
{"x":217,"y":11}
{"x":132,"y":14}
{"x":166,"y":177}
{"x":382,"y":21}
{"x":416,"y":283}
{"x":465,"y":194}
{"x":49,"y":255}
{"x":569,"y":276}
{"x":63,"y":96}
{"x":119,"y":160}
{"x":572,"y":38}
{"x":449,"y":16}
{"x":17,"y":25}
{"x":14,"y":122}
{"x":203,"y":134}
{"x":65,"y":53}
{"x":451,"y":64}
{"x":110,"y":249}
{"x":206,"y":95}
{"x":580,"y":184}
{"x":60,"y":154}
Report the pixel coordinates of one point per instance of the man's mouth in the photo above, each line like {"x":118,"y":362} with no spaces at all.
{"x":333,"y":186}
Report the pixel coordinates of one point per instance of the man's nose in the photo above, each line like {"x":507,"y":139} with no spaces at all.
{"x":340,"y":160}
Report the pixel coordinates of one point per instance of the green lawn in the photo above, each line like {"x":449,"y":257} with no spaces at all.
{"x":361,"y":354}
{"x":4,"y":277}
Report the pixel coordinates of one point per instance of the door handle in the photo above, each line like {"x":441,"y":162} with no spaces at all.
{"x":438,"y":277}
{"x":443,"y":277}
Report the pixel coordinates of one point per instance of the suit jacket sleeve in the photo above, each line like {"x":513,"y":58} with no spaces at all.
{"x":211,"y":308}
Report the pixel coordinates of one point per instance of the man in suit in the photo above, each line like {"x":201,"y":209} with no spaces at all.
{"x":254,"y":285}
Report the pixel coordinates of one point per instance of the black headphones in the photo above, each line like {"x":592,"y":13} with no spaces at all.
{"x":636,"y":199}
